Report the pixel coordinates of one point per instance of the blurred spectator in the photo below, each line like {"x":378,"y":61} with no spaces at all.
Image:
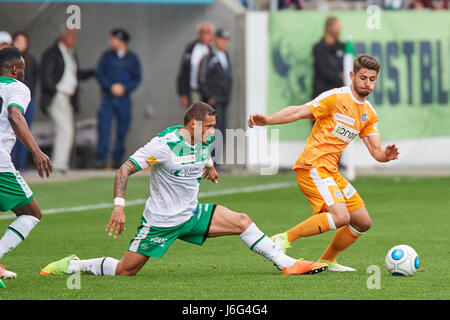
{"x":19,"y":153}
{"x":214,"y":81}
{"x":118,"y":73}
{"x":429,"y":4}
{"x":290,"y":4}
{"x":394,"y":4}
{"x":328,"y":59}
{"x":60,"y":76}
{"x":5,"y":39}
{"x":187,"y":86}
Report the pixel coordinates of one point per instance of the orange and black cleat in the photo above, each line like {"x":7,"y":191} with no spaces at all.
{"x":305,"y":267}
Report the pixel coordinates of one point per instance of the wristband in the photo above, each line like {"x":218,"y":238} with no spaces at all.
{"x":209,"y":163}
{"x":119,"y":201}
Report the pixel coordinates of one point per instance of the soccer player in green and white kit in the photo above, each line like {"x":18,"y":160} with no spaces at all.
{"x":179,"y":157}
{"x":15,"y":194}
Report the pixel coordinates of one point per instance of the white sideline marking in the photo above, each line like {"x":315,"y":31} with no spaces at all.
{"x":264,"y":187}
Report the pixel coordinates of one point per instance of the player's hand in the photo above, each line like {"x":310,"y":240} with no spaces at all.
{"x":257,"y":120}
{"x":43,"y":163}
{"x":116,"y":222}
{"x":391,"y":152}
{"x":118,"y":89}
{"x":211,"y":174}
{"x":184,"y":100}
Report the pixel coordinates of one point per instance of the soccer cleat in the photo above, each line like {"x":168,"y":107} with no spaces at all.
{"x":305,"y":267}
{"x":58,"y":267}
{"x":2,"y":285}
{"x":336,"y":267}
{"x":5,"y":274}
{"x":281,"y":241}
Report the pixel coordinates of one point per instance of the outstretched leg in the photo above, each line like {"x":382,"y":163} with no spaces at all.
{"x":129,"y":265}
{"x":227,"y":222}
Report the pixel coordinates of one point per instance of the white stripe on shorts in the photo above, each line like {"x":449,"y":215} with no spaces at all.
{"x":322,"y":186}
{"x":26,"y":189}
{"x":137,"y":241}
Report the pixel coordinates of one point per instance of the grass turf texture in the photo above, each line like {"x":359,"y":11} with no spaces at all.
{"x":411,"y":211}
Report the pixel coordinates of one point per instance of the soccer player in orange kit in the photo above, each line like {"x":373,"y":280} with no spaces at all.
{"x":340,"y":114}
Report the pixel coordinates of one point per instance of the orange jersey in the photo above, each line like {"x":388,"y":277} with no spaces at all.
{"x":339,"y":118}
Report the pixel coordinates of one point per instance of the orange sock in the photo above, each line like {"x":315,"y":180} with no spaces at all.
{"x":316,"y":224}
{"x":343,"y":238}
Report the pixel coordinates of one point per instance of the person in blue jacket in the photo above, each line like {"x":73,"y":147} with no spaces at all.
{"x":118,"y":73}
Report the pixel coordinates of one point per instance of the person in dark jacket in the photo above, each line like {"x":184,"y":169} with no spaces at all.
{"x":118,"y":73}
{"x":19,"y":154}
{"x":187,"y":84}
{"x":60,"y":77}
{"x":214,"y":81}
{"x":328,"y":59}
{"x":214,"y":78}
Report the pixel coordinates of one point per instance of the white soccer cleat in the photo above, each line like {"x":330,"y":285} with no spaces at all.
{"x":336,"y":267}
{"x":5,"y":274}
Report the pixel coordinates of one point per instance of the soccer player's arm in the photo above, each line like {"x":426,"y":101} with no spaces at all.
{"x":17,"y":103}
{"x":315,"y":109}
{"x":141,"y":159}
{"x":210,"y":171}
{"x":372,"y":140}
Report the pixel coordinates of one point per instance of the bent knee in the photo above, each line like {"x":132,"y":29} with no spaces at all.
{"x":364,"y":225}
{"x":244,"y":222}
{"x":341,"y":219}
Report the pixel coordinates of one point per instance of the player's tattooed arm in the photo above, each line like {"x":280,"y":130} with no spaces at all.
{"x":117,"y":222}
{"x":121,"y":179}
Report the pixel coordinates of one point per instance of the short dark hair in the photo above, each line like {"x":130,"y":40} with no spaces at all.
{"x":365,"y":61}
{"x":9,"y":56}
{"x":198,"y":111}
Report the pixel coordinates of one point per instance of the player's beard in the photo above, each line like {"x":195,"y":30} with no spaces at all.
{"x":361,"y":93}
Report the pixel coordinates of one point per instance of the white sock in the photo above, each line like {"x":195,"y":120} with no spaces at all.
{"x":105,"y":266}
{"x":356,"y":232}
{"x":258,"y":242}
{"x":331,"y":221}
{"x":17,"y":231}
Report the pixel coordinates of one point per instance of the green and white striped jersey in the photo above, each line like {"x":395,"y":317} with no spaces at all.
{"x":12,"y":93}
{"x":175,"y":175}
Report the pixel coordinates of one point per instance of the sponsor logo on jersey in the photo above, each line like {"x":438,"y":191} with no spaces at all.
{"x":349,"y":191}
{"x":343,"y":118}
{"x":151,"y":161}
{"x":364,"y":117}
{"x":189,"y":171}
{"x":344,"y":132}
{"x":184,"y":159}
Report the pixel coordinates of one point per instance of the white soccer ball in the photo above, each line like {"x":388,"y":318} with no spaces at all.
{"x":402,"y":260}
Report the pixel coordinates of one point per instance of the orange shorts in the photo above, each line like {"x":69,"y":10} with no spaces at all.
{"x":324,"y":188}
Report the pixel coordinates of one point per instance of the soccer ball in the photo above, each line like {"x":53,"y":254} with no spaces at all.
{"x":402,"y":260}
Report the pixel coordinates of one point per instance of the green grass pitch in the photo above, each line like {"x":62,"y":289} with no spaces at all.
{"x":413,"y":211}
